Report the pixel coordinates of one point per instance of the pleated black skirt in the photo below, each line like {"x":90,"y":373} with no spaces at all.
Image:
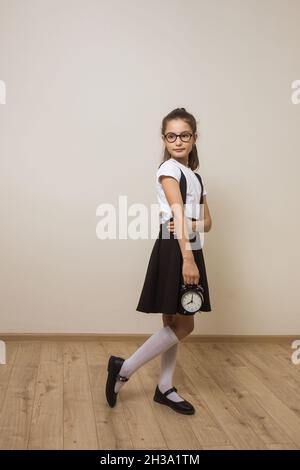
{"x":163,"y":280}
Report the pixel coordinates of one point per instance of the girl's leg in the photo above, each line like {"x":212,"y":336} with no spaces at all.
{"x":156,"y":344}
{"x":168,"y":358}
{"x":184,"y":325}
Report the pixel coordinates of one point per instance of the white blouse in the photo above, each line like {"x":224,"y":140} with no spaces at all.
{"x":172,"y":167}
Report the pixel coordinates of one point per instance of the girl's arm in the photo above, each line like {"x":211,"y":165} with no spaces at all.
{"x":201,"y":225}
{"x":204,"y":224}
{"x":173,"y":195}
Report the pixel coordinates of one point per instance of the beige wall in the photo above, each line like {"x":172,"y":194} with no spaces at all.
{"x":87,"y":85}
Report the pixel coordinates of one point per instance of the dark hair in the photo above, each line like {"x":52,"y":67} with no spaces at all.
{"x":181,"y":113}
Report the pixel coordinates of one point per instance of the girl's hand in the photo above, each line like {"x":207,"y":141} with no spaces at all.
{"x":190,"y":225}
{"x":190,"y":272}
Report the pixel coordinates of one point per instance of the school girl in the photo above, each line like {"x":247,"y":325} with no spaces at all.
{"x":175,"y":260}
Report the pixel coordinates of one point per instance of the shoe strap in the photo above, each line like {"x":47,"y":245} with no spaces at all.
{"x":173,"y":389}
{"x":122,"y":378}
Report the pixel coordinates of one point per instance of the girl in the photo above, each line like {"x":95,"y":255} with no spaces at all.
{"x":174,"y":261}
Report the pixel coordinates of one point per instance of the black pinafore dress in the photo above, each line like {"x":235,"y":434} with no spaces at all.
{"x":163,"y":280}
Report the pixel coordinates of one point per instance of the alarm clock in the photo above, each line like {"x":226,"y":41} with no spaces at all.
{"x":191,"y":298}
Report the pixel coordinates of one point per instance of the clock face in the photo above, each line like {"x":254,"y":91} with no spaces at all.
{"x":191,"y":301}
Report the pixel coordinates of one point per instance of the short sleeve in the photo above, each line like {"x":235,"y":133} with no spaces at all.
{"x":168,"y":169}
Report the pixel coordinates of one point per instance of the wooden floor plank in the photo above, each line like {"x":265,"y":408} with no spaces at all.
{"x":47,"y":418}
{"x":281,"y":357}
{"x":79,"y":419}
{"x":112,"y":429}
{"x":17,"y":409}
{"x":6,"y":370}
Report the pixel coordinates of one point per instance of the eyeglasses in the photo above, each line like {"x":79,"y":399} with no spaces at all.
{"x":184,"y":136}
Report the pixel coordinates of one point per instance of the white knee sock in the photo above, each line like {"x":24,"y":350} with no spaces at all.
{"x":168,"y":364}
{"x":156,"y":344}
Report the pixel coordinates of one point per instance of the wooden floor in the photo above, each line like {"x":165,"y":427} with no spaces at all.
{"x":246,"y":395}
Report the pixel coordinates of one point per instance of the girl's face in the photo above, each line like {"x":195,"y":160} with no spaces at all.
{"x":178,"y":148}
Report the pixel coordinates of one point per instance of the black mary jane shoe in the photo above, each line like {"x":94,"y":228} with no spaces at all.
{"x":183,"y":407}
{"x":113,"y":368}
